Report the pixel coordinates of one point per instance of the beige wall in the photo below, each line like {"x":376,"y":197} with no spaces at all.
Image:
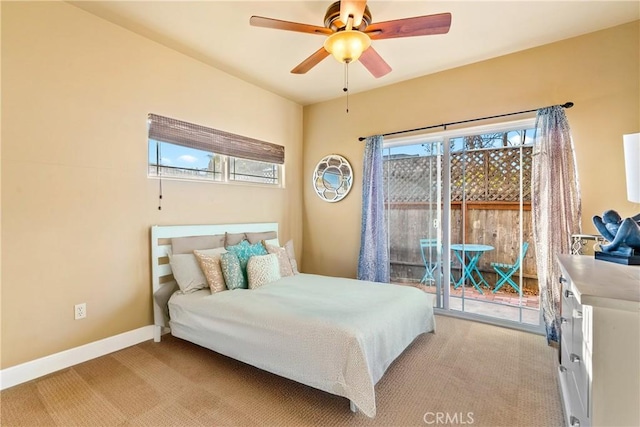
{"x":599,"y":72}
{"x":76,"y":202}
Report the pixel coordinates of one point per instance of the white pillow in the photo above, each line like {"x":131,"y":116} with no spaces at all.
{"x":262,"y":269}
{"x":187,"y":272}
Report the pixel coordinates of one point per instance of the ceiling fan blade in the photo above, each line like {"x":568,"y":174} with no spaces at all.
{"x":410,"y":27}
{"x":354,"y":8}
{"x":311,"y":61}
{"x":373,"y":62}
{"x":259,"y":21}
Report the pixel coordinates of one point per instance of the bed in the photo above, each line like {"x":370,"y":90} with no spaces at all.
{"x":337,"y":335}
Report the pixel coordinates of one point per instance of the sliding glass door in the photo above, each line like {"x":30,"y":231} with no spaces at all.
{"x":414,"y":213}
{"x":459,"y":220}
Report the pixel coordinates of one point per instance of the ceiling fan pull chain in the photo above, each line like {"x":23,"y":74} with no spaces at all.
{"x":346,"y":82}
{"x":159,"y":173}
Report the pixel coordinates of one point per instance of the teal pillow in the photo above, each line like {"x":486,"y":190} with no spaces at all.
{"x":231,"y":271}
{"x":245,"y":250}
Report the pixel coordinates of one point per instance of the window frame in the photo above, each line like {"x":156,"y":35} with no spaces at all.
{"x":446,"y":135}
{"x":178,"y":134}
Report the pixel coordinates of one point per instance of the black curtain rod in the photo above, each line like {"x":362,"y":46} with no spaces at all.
{"x":565,"y":105}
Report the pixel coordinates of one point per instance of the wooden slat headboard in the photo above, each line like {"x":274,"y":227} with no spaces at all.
{"x":162,"y":283}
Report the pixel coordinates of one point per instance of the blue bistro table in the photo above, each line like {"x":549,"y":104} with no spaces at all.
{"x":473,"y":253}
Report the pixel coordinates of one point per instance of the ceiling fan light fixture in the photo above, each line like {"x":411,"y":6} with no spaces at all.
{"x":348,"y":45}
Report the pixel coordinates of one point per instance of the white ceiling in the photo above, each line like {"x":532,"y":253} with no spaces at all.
{"x":218,"y":33}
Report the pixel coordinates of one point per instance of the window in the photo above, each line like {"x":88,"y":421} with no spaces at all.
{"x":184,"y":150}
{"x":253,"y":171}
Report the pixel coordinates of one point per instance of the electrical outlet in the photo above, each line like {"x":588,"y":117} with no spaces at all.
{"x":80,"y":311}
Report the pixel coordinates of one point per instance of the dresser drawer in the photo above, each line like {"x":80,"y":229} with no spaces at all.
{"x":576,"y":331}
{"x":576,"y":367}
{"x":571,"y":320}
{"x":574,"y":390}
{"x":568,"y":298}
{"x":575,"y":381}
{"x":581,"y":380}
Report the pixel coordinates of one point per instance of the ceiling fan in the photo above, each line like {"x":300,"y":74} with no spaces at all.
{"x":350,"y":29}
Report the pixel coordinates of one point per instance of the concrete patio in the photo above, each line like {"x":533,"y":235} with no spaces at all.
{"x":501,"y":305}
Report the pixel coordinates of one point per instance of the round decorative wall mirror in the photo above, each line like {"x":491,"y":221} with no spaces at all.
{"x":332,"y":178}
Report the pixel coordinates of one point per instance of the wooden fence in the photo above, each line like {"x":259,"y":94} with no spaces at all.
{"x":483,"y":225}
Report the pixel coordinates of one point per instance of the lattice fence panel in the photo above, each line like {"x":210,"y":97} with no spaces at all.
{"x":503,"y":183}
{"x":490,"y":175}
{"x":412,"y":179}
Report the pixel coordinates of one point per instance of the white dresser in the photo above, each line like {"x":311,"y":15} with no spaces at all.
{"x":600,"y":342}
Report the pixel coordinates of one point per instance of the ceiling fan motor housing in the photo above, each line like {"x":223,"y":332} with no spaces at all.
{"x":332,"y":18}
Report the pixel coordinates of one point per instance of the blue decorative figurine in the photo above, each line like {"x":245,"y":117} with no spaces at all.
{"x":623,"y":235}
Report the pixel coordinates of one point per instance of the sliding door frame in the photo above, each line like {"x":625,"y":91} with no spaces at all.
{"x":443,"y":139}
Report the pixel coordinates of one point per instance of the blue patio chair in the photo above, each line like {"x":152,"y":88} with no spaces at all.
{"x":505,"y":271}
{"x":431,"y":265}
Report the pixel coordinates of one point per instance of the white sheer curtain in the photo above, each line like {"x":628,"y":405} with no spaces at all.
{"x":556,"y":207}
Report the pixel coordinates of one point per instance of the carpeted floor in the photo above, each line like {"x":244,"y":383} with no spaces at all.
{"x":466,"y":374}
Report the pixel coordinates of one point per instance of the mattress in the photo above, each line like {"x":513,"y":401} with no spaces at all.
{"x":338,"y":335}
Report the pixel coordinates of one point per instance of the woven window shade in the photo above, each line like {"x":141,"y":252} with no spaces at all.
{"x":203,"y":138}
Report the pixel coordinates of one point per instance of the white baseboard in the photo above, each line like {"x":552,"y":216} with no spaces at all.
{"x":36,"y":368}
